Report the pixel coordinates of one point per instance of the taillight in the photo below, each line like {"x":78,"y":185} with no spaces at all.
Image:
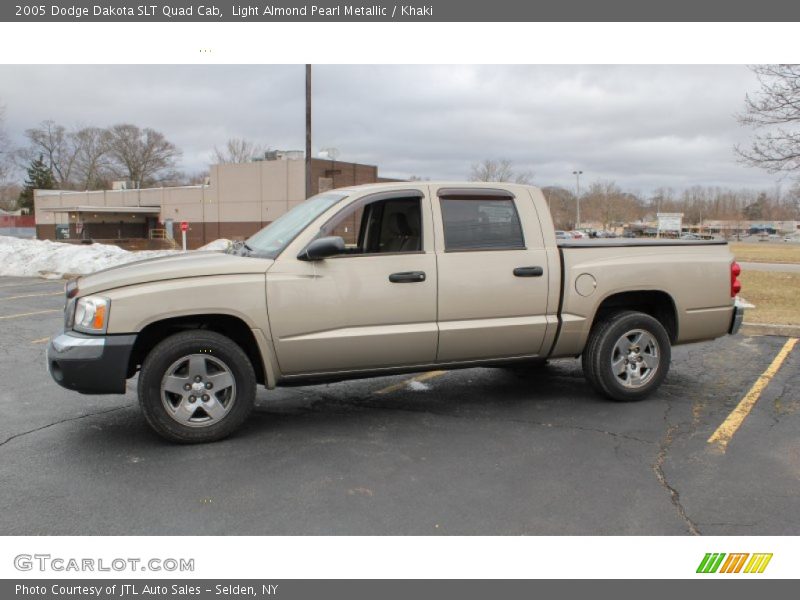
{"x":736,"y":285}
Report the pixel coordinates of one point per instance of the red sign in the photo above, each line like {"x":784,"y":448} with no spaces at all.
{"x":184,"y":226}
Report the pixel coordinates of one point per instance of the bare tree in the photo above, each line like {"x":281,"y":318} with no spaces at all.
{"x":144,"y":156}
{"x":499,"y":170}
{"x":5,"y":147}
{"x":57,"y":147}
{"x":606,"y":203}
{"x":561,"y":203}
{"x":92,"y":162}
{"x":9,"y":193}
{"x":237,"y":150}
{"x":195,"y":178}
{"x":774,"y":110}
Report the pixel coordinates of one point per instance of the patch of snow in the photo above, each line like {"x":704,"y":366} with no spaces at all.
{"x":418,"y":386}
{"x":54,"y":260}
{"x":220,"y":244}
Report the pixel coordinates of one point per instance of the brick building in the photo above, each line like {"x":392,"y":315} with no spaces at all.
{"x":237,"y":201}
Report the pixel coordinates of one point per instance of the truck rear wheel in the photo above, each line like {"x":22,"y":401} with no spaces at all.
{"x":196,"y":386}
{"x":627,"y":356}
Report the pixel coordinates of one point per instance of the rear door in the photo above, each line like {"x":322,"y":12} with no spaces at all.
{"x":493,"y":279}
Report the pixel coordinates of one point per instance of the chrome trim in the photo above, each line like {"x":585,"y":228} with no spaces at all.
{"x":65,"y":346}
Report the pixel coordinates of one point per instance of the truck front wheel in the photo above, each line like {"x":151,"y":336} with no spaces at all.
{"x":196,"y":386}
{"x":627,"y":356}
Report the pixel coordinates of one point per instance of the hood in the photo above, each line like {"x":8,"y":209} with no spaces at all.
{"x":194,"y":264}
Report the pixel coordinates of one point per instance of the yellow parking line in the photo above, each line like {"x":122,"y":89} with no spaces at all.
{"x":403,"y":384}
{"x":729,"y":426}
{"x":41,"y":341}
{"x":30,"y":314}
{"x":32,"y":295}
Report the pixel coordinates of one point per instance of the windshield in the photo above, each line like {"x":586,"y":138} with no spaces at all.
{"x":270,"y":241}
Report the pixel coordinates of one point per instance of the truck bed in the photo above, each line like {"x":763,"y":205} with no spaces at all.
{"x":693,"y":275}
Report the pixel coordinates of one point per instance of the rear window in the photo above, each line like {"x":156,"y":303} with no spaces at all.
{"x":481,"y":224}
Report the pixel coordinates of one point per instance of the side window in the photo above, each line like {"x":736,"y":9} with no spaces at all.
{"x":384,"y":226}
{"x":481,"y":224}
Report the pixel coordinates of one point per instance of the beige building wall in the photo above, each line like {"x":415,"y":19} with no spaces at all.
{"x":239,"y":200}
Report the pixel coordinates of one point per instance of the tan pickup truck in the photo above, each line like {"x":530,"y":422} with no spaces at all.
{"x":385,"y":279}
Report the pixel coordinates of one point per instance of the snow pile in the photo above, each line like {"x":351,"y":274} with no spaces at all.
{"x":53,"y":260}
{"x":220,"y":244}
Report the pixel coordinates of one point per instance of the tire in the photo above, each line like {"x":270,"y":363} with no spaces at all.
{"x":627,"y":356}
{"x":196,"y":386}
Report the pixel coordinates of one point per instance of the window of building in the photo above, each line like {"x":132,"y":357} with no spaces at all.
{"x":481,"y":224}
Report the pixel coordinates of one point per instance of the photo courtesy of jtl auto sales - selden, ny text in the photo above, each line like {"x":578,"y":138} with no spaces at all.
{"x":421,"y":300}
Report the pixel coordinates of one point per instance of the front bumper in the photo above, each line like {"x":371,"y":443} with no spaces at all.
{"x":90,"y":364}
{"x":738,"y":315}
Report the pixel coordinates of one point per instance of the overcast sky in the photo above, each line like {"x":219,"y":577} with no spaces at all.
{"x":643,"y":127}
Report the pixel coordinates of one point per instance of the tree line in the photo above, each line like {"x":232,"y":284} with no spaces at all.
{"x":606,"y":204}
{"x":91,"y":158}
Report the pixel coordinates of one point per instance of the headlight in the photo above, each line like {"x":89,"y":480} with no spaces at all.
{"x":91,"y":314}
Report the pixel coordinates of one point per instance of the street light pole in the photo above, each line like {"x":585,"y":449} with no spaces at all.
{"x":577,"y":198}
{"x":308,"y":131}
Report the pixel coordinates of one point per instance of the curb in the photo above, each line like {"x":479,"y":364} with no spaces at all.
{"x":770,"y":329}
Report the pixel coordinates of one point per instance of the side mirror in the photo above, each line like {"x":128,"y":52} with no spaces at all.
{"x":323,"y":248}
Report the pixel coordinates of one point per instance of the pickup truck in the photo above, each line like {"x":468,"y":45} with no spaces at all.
{"x":384,"y":279}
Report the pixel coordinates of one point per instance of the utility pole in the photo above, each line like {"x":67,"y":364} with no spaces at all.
{"x":577,"y":198}
{"x":308,"y":131}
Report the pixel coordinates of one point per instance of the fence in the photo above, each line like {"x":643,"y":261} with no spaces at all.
{"x":23,"y":226}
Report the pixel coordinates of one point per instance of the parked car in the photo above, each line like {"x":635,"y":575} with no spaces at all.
{"x":578,"y":235}
{"x":432,"y":276}
{"x":562,"y":235}
{"x":690,"y":236}
{"x":792,"y":237}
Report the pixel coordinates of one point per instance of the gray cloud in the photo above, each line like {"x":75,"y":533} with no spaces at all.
{"x":643,"y":126}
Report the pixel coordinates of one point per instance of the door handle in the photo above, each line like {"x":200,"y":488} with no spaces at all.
{"x":407,"y":277}
{"x":528,"y":272}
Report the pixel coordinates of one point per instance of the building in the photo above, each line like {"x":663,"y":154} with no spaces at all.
{"x":237,"y":201}
{"x":16,"y":224}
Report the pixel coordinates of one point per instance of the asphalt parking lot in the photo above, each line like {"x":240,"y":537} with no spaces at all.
{"x":479,"y":451}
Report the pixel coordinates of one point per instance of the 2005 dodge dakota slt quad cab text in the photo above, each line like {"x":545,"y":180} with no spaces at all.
{"x":383,"y":279}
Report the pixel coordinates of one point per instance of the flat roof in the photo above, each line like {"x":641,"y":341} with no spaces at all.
{"x":148,"y":210}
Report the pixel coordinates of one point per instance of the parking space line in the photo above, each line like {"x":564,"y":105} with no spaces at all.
{"x":40,"y":341}
{"x":31,"y":296}
{"x":30,"y":314}
{"x":729,"y":426}
{"x":403,"y":384}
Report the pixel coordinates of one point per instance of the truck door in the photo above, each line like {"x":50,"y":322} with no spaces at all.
{"x":493,"y":280}
{"x":372,"y":307}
